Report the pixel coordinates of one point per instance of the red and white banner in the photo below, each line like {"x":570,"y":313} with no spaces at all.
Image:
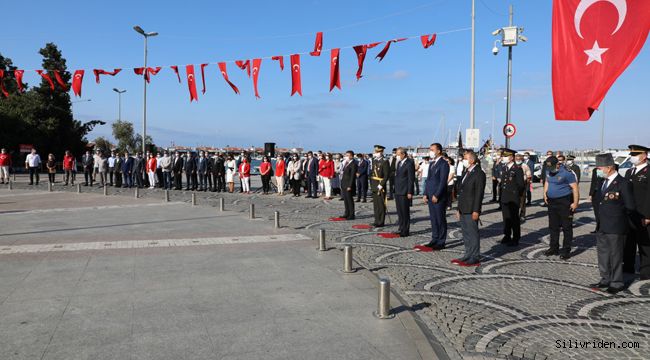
{"x":222,"y":68}
{"x":191,"y":82}
{"x":98,"y":72}
{"x":47,"y":78}
{"x":77,"y":80}
{"x":296,"y":85}
{"x":318,"y":44}
{"x":257,"y":64}
{"x":335,"y":75}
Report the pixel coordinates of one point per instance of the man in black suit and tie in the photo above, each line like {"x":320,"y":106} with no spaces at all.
{"x":362,"y":178}
{"x":190,"y":172}
{"x":638,"y":236}
{"x":177,"y":170}
{"x":435,"y":196}
{"x":471,"y":190}
{"x":311,"y":174}
{"x":348,"y":182}
{"x":404,"y":179}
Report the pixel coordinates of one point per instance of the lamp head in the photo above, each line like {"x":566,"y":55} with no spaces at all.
{"x":139,"y":29}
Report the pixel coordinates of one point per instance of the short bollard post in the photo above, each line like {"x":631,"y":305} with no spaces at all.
{"x":347,"y":259}
{"x":49,"y":186}
{"x":166,"y":195}
{"x":105,"y":190}
{"x":193,"y":199}
{"x":222,"y":204}
{"x":251,"y":214}
{"x":276,"y":217}
{"x":78,"y":188}
{"x":383,"y":302}
{"x":321,"y":240}
{"x":137,"y":192}
{"x":14,"y":176}
{"x":11,"y":185}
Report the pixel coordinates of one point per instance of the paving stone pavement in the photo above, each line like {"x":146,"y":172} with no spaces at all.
{"x":518,"y":304}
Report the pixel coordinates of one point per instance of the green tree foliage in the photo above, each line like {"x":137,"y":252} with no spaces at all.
{"x":101,"y":143}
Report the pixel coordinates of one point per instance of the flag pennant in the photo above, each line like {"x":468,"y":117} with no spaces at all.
{"x":147,"y":74}
{"x":47,"y":78}
{"x":2,"y":84}
{"x":98,"y":72}
{"x":361,"y":56}
{"x":191,"y":84}
{"x":222,"y":68}
{"x":296,"y":86}
{"x":335,"y":76}
{"x":244,"y":65}
{"x":426,"y":41}
{"x":318,"y":44}
{"x":203,"y":77}
{"x":18,"y":74}
{"x":281,"y":60}
{"x":77,"y":80}
{"x":384,"y":51}
{"x":257,"y":64}
{"x":175,"y":68}
{"x":140,"y":71}
{"x":60,"y":81}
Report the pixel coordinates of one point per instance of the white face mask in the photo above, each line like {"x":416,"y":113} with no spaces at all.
{"x":432,"y":155}
{"x":466,"y":163}
{"x":377,"y":155}
{"x":526,"y":157}
{"x":635,"y":160}
{"x":505,"y":160}
{"x":569,"y":162}
{"x":518,"y":162}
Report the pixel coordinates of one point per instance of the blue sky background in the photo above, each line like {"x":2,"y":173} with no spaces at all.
{"x":400,"y":101}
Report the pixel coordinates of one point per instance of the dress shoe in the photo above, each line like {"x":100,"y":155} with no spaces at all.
{"x":505,"y":240}
{"x":364,"y":200}
{"x":422,"y":248}
{"x":513,"y":243}
{"x":351,"y":218}
{"x":551,"y":252}
{"x":565,"y":256}
{"x":615,"y":290}
{"x":599,"y":285}
{"x":437,"y":247}
{"x":471,"y":262}
{"x":458,"y":261}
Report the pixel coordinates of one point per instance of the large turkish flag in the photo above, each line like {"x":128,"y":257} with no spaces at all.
{"x":593,"y":43}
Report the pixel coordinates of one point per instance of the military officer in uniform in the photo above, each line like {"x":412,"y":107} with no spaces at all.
{"x":512,"y":187}
{"x":638,"y":235}
{"x":378,"y":179}
{"x":572,"y":166}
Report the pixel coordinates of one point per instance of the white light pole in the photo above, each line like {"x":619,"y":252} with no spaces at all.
{"x":144,"y":80}
{"x":119,"y":102}
{"x":509,"y":38}
{"x":472,"y":111}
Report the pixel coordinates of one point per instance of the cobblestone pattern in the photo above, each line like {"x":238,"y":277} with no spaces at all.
{"x":518,"y":304}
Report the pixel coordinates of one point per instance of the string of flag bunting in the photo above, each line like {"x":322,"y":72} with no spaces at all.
{"x":251,"y":67}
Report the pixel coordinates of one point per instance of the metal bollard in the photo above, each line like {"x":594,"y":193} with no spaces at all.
{"x":321,"y":240}
{"x":14,"y":176}
{"x":222,"y":204}
{"x":383,"y":302}
{"x":193,"y":199}
{"x":105,"y":190}
{"x":11,"y":185}
{"x":347,"y":259}
{"x":78,"y":188}
{"x":276,"y":216}
{"x":251,"y":215}
{"x":166,"y":195}
{"x":137,"y":192}
{"x":49,"y":186}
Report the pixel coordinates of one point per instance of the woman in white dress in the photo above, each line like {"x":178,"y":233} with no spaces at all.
{"x":231,"y":170}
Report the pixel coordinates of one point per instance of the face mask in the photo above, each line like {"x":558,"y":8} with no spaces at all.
{"x":526,"y":157}
{"x":518,"y":162}
{"x":570,"y":162}
{"x":600,"y":173}
{"x":505,"y":160}
{"x":466,"y":163}
{"x":377,"y":155}
{"x":432,"y":155}
{"x":635,"y":160}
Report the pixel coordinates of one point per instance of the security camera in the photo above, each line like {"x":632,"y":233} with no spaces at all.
{"x":523,"y":38}
{"x":496,"y":32}
{"x":495,"y":50}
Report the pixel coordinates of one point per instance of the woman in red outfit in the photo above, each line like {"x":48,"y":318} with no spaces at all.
{"x":327,"y":173}
{"x":245,"y":175}
{"x":152,"y":163}
{"x":265,"y":171}
{"x":280,"y":172}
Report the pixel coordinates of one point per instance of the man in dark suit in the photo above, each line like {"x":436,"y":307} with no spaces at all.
{"x":615,"y":204}
{"x":470,"y":200}
{"x":638,"y":235}
{"x":190,"y":172}
{"x":392,"y":163}
{"x":435,"y":196}
{"x":496,"y":175}
{"x":404,"y":189}
{"x":138,"y":170}
{"x":311,"y":174}
{"x":177,"y":170}
{"x":202,"y":170}
{"x":219,"y":173}
{"x":348,"y":184}
{"x":378,"y":179}
{"x":362,"y":178}
{"x":87,"y":163}
{"x":512,"y":187}
{"x":127,"y":170}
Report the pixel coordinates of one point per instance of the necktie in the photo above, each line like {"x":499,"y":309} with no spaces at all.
{"x":633,"y":171}
{"x":605,"y":185}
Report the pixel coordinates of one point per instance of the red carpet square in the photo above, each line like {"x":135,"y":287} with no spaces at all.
{"x":338,"y":219}
{"x":388,"y":235}
{"x":362,"y":227}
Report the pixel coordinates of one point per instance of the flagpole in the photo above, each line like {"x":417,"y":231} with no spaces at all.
{"x":472,"y":110}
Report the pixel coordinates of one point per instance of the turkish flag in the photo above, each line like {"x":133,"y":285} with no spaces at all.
{"x":2,"y":84}
{"x":318,"y":44}
{"x":77,"y":79}
{"x":189,"y":70}
{"x":98,"y":72}
{"x":296,"y":86}
{"x":335,"y":75}
{"x":257,"y":64}
{"x":60,"y":81}
{"x":426,"y":41}
{"x":203,"y":77}
{"x":593,"y":43}
{"x":18,"y":74}
{"x":175,"y":68}
{"x":141,"y":71}
{"x":281,"y":60}
{"x":222,"y":68}
{"x":244,"y":65}
{"x":47,"y":78}
{"x":384,"y":51}
{"x":361,"y":56}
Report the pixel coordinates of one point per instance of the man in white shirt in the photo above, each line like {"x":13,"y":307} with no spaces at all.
{"x":111,"y":167}
{"x":33,"y":164}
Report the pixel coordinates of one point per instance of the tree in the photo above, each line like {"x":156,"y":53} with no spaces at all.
{"x":101,"y":143}
{"x":123,"y":134}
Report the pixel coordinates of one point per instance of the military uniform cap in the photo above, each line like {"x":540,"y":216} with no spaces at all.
{"x":379,"y":148}
{"x":604,"y":160}
{"x":570,"y":157}
{"x":637,"y":149}
{"x":508,"y":152}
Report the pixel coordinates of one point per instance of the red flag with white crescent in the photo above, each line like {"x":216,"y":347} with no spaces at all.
{"x":361,"y":56}
{"x":428,"y":42}
{"x":281,"y":60}
{"x":335,"y":75}
{"x":175,"y":68}
{"x":18,"y":74}
{"x":384,"y":51}
{"x":77,"y":80}
{"x":222,"y":68}
{"x":191,"y":84}
{"x":141,"y":71}
{"x":257,"y":64}
{"x":203,"y":77}
{"x":98,"y":72}
{"x":47,"y":78}
{"x":296,"y":85}
{"x":318,"y":44}
{"x":594,"y":41}
{"x":244,"y":65}
{"x":60,"y":81}
{"x":2,"y":84}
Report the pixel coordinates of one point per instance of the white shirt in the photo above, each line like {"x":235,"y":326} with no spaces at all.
{"x":33,"y":160}
{"x":609,"y":180}
{"x":640,"y":167}
{"x":111,"y":162}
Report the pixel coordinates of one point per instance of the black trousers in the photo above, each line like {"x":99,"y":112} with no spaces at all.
{"x":295,"y":186}
{"x":160,"y":177}
{"x":118,"y":179}
{"x":111,"y":175}
{"x":51,"y":176}
{"x":312,"y":186}
{"x":88,"y":176}
{"x":379,"y":205}
{"x":266,"y":183}
{"x":348,"y":200}
{"x":391,"y":186}
{"x":362,"y":187}
{"x":178,"y":181}
{"x":188,"y":181}
{"x":495,"y":190}
{"x":559,"y":214}
{"x":220,"y":183}
{"x":33,"y":172}
{"x":194,"y":179}
{"x":637,"y":238}
{"x":511,"y":222}
{"x":403,"y":214}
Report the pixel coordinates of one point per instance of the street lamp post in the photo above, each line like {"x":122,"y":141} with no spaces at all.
{"x":146,"y":35}
{"x":509,"y":38}
{"x":119,"y":102}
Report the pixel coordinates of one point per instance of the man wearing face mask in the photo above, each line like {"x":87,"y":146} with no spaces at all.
{"x":378,"y":178}
{"x":572,"y":166}
{"x":496,"y":175}
{"x":549,"y":153}
{"x":562,"y":195}
{"x":615,"y":204}
{"x":512,"y":188}
{"x":531,"y":165}
{"x":348,"y":184}
{"x":435,"y":196}
{"x":404,"y":188}
{"x":528,"y":178}
{"x":311,"y":174}
{"x":638,"y":235}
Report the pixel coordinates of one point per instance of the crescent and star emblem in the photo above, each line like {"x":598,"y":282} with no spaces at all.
{"x":254,"y":70}
{"x":190,"y":77}
{"x":335,"y":59}
{"x":596,"y":52}
{"x":296,"y":67}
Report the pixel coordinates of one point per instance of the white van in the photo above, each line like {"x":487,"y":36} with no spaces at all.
{"x":622,"y":159}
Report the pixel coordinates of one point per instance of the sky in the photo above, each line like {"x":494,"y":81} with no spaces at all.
{"x":414,"y":96}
